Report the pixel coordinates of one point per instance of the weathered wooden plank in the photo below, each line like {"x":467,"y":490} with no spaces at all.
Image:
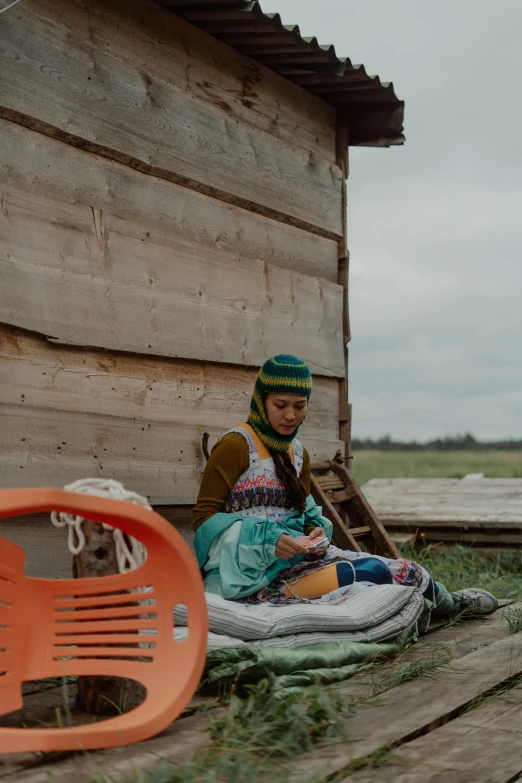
{"x":162,"y":460}
{"x":341,"y":153}
{"x":431,"y":701}
{"x":403,"y":538}
{"x":89,"y":278}
{"x":442,"y":486}
{"x":47,"y":555}
{"x":46,"y":550}
{"x":175,"y":50}
{"x":174,"y":746}
{"x":330,"y":482}
{"x":81,"y":92}
{"x":199,"y":225}
{"x":39,"y":707}
{"x":44,"y":447}
{"x":181,"y":518}
{"x":341,"y":148}
{"x":484,"y":503}
{"x":498,"y":537}
{"x":459,"y":640}
{"x":481,"y":747}
{"x":424,"y":522}
{"x":40,"y":374}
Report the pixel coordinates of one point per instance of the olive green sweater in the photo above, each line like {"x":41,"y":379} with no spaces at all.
{"x":228,"y":461}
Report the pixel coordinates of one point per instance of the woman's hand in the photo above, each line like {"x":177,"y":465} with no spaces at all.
{"x":318,"y":532}
{"x":288,"y":547}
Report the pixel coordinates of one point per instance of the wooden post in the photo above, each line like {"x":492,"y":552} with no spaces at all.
{"x":345,"y":413}
{"x":102,"y":695}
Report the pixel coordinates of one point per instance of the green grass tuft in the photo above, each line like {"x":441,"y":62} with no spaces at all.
{"x":513,"y":617}
{"x":259,"y":736}
{"x":290,"y":725}
{"x":437,"y":657}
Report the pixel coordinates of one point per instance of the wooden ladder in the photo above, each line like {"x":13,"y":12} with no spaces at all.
{"x":354,"y":521}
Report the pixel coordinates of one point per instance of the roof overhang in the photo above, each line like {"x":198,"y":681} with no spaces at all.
{"x":374,"y":113}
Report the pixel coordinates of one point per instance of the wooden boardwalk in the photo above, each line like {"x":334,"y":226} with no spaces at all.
{"x":481,"y":511}
{"x":461,"y":723}
{"x":428,"y":729}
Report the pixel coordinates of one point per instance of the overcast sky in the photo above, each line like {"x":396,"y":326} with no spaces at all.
{"x":435,"y":226}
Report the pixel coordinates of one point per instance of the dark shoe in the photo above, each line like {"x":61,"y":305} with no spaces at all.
{"x":474,"y":602}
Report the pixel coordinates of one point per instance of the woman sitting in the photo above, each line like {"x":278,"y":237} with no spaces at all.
{"x":256,"y":522}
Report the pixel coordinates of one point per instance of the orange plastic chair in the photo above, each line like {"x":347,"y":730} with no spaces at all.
{"x":64,"y":627}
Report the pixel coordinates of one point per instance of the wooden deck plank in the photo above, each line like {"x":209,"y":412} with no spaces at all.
{"x":40,"y":703}
{"x":173,"y":747}
{"x":482,"y":503}
{"x":426,"y":702}
{"x":499,"y":536}
{"x":460,"y":640}
{"x":481,"y":747}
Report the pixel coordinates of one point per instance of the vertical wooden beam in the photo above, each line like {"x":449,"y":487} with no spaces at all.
{"x":345,"y":412}
{"x":102,"y":695}
{"x":341,"y":156}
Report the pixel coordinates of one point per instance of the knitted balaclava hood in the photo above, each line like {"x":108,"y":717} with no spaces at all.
{"x":280,"y":375}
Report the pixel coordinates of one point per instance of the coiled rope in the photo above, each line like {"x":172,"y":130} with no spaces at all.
{"x":130,"y":553}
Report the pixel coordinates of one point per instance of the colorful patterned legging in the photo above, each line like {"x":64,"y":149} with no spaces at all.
{"x":332,"y":574}
{"x":366,"y":569}
{"x":340,"y":568}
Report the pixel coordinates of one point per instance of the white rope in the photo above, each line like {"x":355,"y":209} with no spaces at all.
{"x":128,"y":557}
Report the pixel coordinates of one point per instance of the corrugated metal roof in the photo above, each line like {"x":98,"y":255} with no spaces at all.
{"x":374,"y":112}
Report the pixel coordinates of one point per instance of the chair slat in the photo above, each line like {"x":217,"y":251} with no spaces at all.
{"x":101,"y":626}
{"x":103,"y":652}
{"x":63,"y":618}
{"x":79,"y":602}
{"x":130,"y":640}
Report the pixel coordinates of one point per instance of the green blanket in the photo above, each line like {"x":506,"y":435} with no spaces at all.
{"x":291,"y":669}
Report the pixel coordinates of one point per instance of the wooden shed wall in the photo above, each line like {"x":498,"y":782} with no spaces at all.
{"x":170,"y":216}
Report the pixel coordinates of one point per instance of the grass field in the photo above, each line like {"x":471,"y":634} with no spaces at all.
{"x":435,"y":464}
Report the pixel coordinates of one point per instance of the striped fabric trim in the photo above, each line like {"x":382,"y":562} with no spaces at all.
{"x":375,"y":614}
{"x":362,"y":611}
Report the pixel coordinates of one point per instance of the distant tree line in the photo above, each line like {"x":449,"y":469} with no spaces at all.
{"x":449,"y":443}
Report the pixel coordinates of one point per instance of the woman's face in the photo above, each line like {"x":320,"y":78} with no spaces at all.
{"x":285,"y":411}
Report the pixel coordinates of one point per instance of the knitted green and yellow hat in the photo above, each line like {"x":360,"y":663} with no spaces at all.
{"x":281,"y":374}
